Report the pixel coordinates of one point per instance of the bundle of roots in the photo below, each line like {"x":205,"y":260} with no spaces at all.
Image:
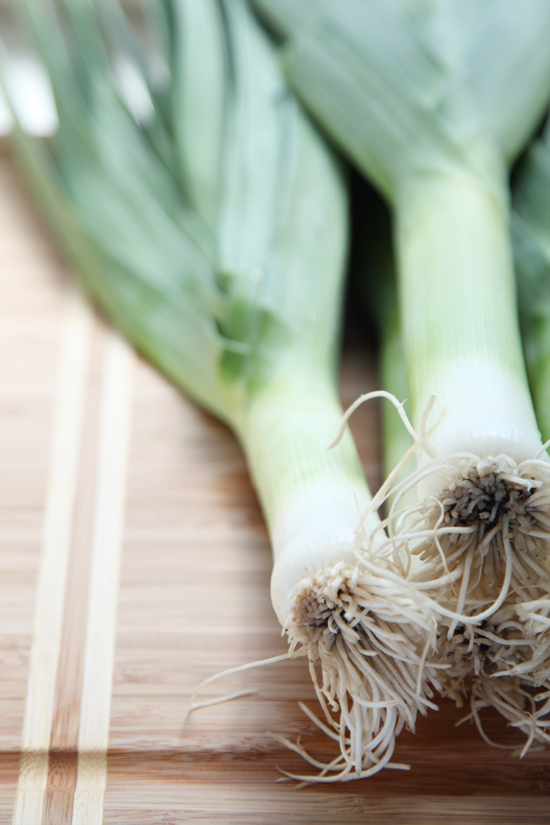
{"x":504,"y":663}
{"x":369,"y":640}
{"x":481,"y":550}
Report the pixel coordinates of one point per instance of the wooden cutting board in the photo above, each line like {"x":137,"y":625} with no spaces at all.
{"x":134,"y":564}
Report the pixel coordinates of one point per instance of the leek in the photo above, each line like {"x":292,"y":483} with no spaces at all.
{"x":531,"y":238}
{"x":208,"y":220}
{"x":433,"y":102}
{"x":514,"y":644}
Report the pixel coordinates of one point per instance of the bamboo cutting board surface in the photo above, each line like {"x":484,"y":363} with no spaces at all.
{"x":134,"y":564}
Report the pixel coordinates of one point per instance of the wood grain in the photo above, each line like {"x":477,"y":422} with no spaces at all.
{"x":187,"y":597}
{"x":63,"y":762}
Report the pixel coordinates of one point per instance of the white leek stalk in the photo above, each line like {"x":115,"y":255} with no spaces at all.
{"x":209,"y":223}
{"x":433,"y":103}
{"x":516,"y":640}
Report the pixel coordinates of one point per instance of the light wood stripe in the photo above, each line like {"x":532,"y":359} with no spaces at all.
{"x":62,"y":763}
{"x":114,"y":435}
{"x":67,"y":434}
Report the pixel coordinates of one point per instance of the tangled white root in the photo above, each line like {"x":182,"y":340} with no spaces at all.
{"x":480,"y":553}
{"x":487,"y":534}
{"x":371,"y":638}
{"x":487,"y":540}
{"x":504,"y":663}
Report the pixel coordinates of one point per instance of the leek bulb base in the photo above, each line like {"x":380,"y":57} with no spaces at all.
{"x":311,"y":497}
{"x":480,"y":554}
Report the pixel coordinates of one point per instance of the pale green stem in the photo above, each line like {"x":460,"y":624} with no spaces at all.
{"x":460,"y":318}
{"x":311,"y":497}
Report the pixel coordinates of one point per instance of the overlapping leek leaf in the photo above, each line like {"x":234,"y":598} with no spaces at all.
{"x":210,"y":272}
